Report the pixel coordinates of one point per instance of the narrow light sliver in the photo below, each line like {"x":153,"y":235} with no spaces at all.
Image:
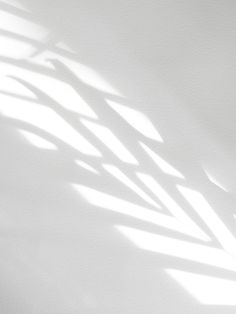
{"x":137,"y":120}
{"x":117,"y":173}
{"x":107,"y":137}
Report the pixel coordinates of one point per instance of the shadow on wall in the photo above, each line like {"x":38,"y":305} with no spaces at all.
{"x":83,"y":164}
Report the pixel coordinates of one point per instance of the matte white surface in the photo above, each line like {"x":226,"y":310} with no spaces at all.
{"x":117,"y":159}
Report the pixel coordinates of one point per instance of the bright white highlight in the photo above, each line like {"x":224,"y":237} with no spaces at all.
{"x":38,"y":141}
{"x":13,"y":48}
{"x":111,"y":141}
{"x":214,"y":223}
{"x":117,"y":173}
{"x":10,"y":85}
{"x":20,"y":26}
{"x":137,"y":120}
{"x":46,"y":119}
{"x":61,"y":92}
{"x":64,"y":46}
{"x":84,"y":73}
{"x":90,"y":76}
{"x":161,"y":163}
{"x":206,"y":289}
{"x":172,"y":206}
{"x":124,"y":207}
{"x":214,"y":181}
{"x":15,"y":4}
{"x":178,"y":248}
{"x":86,"y":166}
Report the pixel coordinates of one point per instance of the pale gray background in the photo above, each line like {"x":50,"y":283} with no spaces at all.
{"x":175,"y":62}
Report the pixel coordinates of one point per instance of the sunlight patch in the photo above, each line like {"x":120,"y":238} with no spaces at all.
{"x":38,"y":141}
{"x":111,"y":141}
{"x":13,"y":48}
{"x":161,"y":163}
{"x":137,"y":120}
{"x":42,"y":58}
{"x":86,"y":166}
{"x":20,"y":26}
{"x":12,"y":86}
{"x":178,"y":248}
{"x":126,"y":208}
{"x":83,"y":73}
{"x":88,"y":76}
{"x":206,"y":289}
{"x":210,"y":218}
{"x":48,"y":120}
{"x":172,"y":206}
{"x":61,"y":92}
{"x":118,"y":174}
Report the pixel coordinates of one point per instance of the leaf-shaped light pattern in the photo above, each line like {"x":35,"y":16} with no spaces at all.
{"x":58,"y":105}
{"x":11,"y":86}
{"x":117,"y":173}
{"x":37,"y":140}
{"x":90,"y":76}
{"x":14,"y":48}
{"x":137,"y":120}
{"x":172,"y":206}
{"x":161,"y":163}
{"x":86,"y":166}
{"x":208,"y":215}
{"x":82,"y":72}
{"x":214,"y":180}
{"x":126,"y":208}
{"x":186,"y":250}
{"x":60,"y":92}
{"x":109,"y":139}
{"x":47,"y":120}
{"x":17,"y":25}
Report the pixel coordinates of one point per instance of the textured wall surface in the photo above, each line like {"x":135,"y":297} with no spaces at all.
{"x":117,"y":158}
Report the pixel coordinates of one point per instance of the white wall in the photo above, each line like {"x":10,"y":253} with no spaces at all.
{"x":117,"y":132}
